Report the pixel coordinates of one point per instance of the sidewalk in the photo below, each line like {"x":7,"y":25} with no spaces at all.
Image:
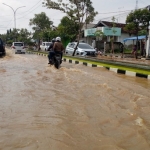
{"x":118,"y":61}
{"x":141,"y":61}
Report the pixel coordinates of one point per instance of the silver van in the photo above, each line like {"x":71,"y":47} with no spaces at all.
{"x":83,"y":49}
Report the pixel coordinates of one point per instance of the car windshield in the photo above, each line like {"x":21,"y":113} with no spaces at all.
{"x":18,"y":44}
{"x":48,"y":44}
{"x":84,"y":46}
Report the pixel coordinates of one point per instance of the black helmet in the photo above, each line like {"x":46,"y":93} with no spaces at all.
{"x":53,"y":40}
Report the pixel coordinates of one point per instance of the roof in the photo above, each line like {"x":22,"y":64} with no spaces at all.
{"x":110,"y":24}
{"x":135,"y":38}
{"x":88,"y":26}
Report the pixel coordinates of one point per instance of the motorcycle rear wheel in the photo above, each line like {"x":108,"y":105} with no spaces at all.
{"x":57,"y":64}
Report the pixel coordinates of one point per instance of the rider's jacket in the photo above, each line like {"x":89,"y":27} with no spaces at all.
{"x":51,"y":47}
{"x":58,"y":46}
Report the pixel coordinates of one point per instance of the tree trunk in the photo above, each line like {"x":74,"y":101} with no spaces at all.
{"x":112,"y":45}
{"x":39,"y":45}
{"x":76,"y":45}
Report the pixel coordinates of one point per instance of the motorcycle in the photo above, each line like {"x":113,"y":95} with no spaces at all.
{"x":56,"y":61}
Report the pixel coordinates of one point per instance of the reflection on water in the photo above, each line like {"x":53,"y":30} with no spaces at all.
{"x":73,"y":108}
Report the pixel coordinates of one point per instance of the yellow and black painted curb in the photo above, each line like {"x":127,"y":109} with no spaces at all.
{"x":117,"y":69}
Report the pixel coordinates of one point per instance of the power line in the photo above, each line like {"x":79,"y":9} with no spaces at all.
{"x":33,"y":6}
{"x":29,"y":12}
{"x":115,"y":12}
{"x":122,"y":14}
{"x":112,"y":16}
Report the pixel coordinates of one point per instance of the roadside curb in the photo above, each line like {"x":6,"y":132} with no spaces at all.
{"x":116,"y":70}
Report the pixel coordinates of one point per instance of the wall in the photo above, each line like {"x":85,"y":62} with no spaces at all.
{"x":125,"y":35}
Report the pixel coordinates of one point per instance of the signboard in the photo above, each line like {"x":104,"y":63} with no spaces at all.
{"x":89,"y":32}
{"x":111,"y":31}
{"x":106,"y":30}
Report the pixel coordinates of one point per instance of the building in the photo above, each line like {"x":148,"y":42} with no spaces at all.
{"x":107,"y":28}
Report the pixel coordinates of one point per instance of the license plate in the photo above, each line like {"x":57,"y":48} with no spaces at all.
{"x":19,"y":51}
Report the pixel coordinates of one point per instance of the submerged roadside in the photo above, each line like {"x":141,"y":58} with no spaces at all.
{"x":124,"y":66}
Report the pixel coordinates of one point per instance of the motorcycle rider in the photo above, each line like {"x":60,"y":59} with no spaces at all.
{"x":57,"y":49}
{"x":51,"y":48}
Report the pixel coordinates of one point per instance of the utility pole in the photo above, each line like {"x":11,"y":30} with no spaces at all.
{"x":148,"y":37}
{"x":148,"y":44}
{"x":14,"y":11}
{"x":136,"y":6}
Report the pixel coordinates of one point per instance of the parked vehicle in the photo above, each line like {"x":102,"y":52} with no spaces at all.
{"x":83,"y":49}
{"x":18,"y":47}
{"x":2,"y":48}
{"x":45,"y":45}
{"x":56,"y":61}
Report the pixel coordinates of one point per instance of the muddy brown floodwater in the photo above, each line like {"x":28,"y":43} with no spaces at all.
{"x":73,"y":108}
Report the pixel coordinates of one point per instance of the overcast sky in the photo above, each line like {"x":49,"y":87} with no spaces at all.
{"x":105,"y":8}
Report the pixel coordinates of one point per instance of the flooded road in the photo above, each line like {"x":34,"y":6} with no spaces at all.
{"x":73,"y":108}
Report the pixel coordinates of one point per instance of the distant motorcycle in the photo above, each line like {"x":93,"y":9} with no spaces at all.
{"x":56,"y":61}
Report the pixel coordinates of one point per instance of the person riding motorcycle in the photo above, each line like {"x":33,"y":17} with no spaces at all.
{"x":51,"y":48}
{"x":57,"y":49}
{"x":51,"y":45}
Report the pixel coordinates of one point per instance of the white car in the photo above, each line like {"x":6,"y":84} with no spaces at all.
{"x":18,"y":47}
{"x":45,"y":45}
{"x":83,"y":49}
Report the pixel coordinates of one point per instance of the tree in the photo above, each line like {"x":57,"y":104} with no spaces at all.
{"x":40,"y":23}
{"x":67,"y":30}
{"x":80,"y":11}
{"x":130,"y":28}
{"x":138,"y":20}
{"x":24,"y":35}
{"x":142,"y":32}
{"x":114,"y":31}
{"x":99,"y":34}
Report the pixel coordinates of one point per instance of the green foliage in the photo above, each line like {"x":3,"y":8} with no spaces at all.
{"x":49,"y":34}
{"x":114,"y":25}
{"x":137,"y":20}
{"x":77,"y":10}
{"x":142,"y":32}
{"x":18,"y":34}
{"x":68,"y":28}
{"x":130,"y":28}
{"x":80,"y":12}
{"x":99,"y":33}
{"x":40,"y":22}
{"x":10,"y":42}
